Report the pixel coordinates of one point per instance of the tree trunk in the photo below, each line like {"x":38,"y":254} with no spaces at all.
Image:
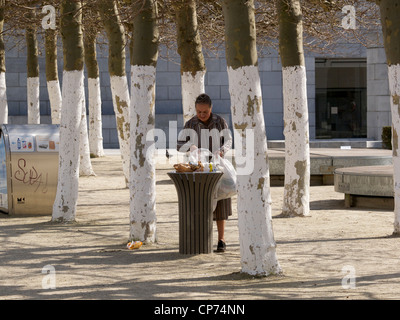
{"x":257,"y":244}
{"x":53,"y":84}
{"x":193,"y":68}
{"x":85,"y":164}
{"x":64,"y":208}
{"x":118,"y":80}
{"x":95,"y":120}
{"x":390,"y":10}
{"x":143,"y":76}
{"x":33,"y":74}
{"x":3,"y":93}
{"x":296,"y":200}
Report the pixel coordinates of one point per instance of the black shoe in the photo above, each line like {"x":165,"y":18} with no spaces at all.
{"x":221,"y":247}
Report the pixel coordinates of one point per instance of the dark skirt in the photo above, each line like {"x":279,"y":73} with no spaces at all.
{"x":223,"y":209}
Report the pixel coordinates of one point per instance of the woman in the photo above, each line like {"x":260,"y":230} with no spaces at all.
{"x":204,"y":124}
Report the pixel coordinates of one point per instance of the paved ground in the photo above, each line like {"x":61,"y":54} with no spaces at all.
{"x":337,"y":253}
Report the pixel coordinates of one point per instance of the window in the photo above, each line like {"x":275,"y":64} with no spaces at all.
{"x":341,"y":98}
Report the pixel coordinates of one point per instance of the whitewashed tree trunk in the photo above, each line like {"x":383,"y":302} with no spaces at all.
{"x":3,"y":86}
{"x":296,"y":200}
{"x":85,"y":166}
{"x":95,"y":120}
{"x":53,"y":84}
{"x":115,"y":30}
{"x":94,"y":92}
{"x":257,"y":244}
{"x":64,"y":208}
{"x":32,"y":86}
{"x":54,"y":91}
{"x":73,"y":95}
{"x":121,"y":103}
{"x":3,"y":99}
{"x":192,"y":87}
{"x":142,"y":185}
{"x":394,"y":85}
{"x":389,"y":16}
{"x":295,"y":109}
{"x":193,"y":68}
{"x":33,"y":100}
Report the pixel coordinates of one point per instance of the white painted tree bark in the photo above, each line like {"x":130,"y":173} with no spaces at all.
{"x":85,"y":166}
{"x":295,"y":110}
{"x":95,"y":119}
{"x":121,"y":103}
{"x":296,"y":200}
{"x":119,"y":84}
{"x":394,"y":86}
{"x":3,"y":86}
{"x":54,"y":91}
{"x":73,"y":95}
{"x":192,"y":87}
{"x":32,"y":86}
{"x":94,"y":91}
{"x":53,"y":84}
{"x":257,"y":244}
{"x":389,"y":16}
{"x":64,"y":208}
{"x":142,"y":184}
{"x":3,"y":99}
{"x":193,"y":68}
{"x":33,"y":100}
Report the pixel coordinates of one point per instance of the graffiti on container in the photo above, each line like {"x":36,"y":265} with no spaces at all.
{"x":30,"y":176}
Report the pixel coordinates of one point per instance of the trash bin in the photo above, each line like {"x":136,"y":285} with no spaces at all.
{"x":195,"y":190}
{"x":29,"y":168}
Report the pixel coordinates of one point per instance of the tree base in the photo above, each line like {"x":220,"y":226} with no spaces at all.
{"x":291,"y":215}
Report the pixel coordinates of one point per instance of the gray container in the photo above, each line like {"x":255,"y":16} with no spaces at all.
{"x":28,"y":168}
{"x":195,"y":191}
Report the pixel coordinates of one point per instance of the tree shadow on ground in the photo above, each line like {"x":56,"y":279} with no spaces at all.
{"x":140,"y":286}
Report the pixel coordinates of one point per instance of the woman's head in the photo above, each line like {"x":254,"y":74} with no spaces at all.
{"x":203,"y":106}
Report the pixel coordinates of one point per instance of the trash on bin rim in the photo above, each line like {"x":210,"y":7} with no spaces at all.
{"x":190,"y":167}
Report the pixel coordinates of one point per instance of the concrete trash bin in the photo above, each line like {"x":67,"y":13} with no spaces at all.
{"x":195,"y":190}
{"x":28,"y":168}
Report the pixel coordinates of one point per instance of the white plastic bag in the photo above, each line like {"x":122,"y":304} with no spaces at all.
{"x":226,"y":187}
{"x":199,"y":155}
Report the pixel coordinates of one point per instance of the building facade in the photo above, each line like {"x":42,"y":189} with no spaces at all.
{"x":348,"y":93}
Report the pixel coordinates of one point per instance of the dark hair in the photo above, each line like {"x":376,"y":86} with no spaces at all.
{"x":203,"y":99}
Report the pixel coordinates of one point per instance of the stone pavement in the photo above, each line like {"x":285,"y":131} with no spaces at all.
{"x":336,"y":253}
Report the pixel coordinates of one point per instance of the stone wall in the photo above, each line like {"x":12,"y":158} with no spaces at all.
{"x":378,"y":105}
{"x":168,"y":92}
